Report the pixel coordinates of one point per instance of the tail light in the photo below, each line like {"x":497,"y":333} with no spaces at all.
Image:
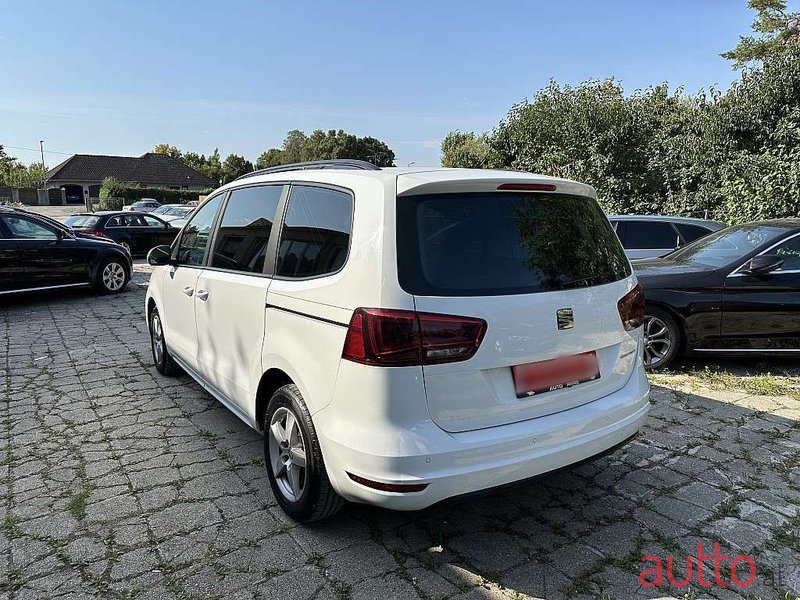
{"x":631,"y":308}
{"x":399,"y":338}
{"x":94,"y":232}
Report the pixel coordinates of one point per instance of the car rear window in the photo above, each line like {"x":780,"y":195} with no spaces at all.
{"x":82,"y":221}
{"x":498,"y":243}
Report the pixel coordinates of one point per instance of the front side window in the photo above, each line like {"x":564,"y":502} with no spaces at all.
{"x":498,"y":243}
{"x":241,"y":241}
{"x":649,"y":235}
{"x":152,"y":221}
{"x":192,"y":243}
{"x":28,"y":229}
{"x":789,"y":251}
{"x":316,"y":232}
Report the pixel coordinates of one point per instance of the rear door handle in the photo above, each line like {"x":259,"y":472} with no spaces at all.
{"x":202,"y":294}
{"x":188,"y":291}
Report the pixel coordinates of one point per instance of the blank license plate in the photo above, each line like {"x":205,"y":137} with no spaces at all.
{"x":555,"y":374}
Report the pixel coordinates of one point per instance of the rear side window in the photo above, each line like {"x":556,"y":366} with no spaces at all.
{"x":691,"y":233}
{"x":194,"y":238}
{"x":241,"y":240}
{"x":82,"y":221}
{"x":316,"y":232}
{"x":649,"y":235}
{"x":482,"y":244}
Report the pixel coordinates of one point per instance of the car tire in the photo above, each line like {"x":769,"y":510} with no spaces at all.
{"x":303,"y":492}
{"x":113,"y":276}
{"x":162,"y":359}
{"x":662,"y":338}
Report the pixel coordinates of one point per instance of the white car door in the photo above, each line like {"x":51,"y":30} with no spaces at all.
{"x":179,"y":284}
{"x":231,"y":297}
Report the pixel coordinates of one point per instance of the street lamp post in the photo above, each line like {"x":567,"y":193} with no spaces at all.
{"x":44,"y":169}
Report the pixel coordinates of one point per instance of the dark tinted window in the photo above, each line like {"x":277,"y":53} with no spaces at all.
{"x":82,"y":221}
{"x":195,"y":235}
{"x":649,"y":235}
{"x":241,"y":240}
{"x":691,"y":233}
{"x":28,"y":229}
{"x":316,"y":232}
{"x":504,"y":243}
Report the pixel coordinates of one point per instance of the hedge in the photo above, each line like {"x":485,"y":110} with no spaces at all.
{"x":113,"y":190}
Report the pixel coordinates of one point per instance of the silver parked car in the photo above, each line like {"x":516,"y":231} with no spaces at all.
{"x":649,"y":236}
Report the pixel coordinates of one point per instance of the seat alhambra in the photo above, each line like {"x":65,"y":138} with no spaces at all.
{"x":404,"y":335}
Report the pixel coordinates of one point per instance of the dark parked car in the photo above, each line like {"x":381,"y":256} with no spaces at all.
{"x":38,"y":253}
{"x":648,"y":236}
{"x":138,"y":232}
{"x":735,"y":291}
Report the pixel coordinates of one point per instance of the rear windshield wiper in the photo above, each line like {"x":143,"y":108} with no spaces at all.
{"x":576,"y":280}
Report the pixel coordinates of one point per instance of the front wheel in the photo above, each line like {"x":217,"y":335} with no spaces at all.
{"x":662,"y":338}
{"x":112,"y":276}
{"x":293,"y":459}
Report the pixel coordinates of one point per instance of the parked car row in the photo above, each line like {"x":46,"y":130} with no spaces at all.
{"x":38,"y":253}
{"x":430,"y":333}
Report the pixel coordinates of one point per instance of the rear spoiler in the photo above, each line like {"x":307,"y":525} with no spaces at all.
{"x":444,"y":182}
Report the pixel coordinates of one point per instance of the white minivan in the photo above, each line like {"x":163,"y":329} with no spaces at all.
{"x":405,"y":335}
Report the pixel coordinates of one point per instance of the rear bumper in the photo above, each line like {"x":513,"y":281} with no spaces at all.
{"x":455,"y":464}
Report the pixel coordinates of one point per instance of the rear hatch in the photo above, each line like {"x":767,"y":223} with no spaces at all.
{"x":545,"y":270}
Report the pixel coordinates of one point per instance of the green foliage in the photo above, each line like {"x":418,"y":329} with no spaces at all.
{"x":322,"y":145}
{"x":14,"y":174}
{"x":778,"y":33}
{"x":732,"y":156}
{"x":114,"y":194}
{"x":235,"y":166}
{"x":172,"y":151}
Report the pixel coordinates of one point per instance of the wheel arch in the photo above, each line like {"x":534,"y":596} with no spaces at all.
{"x":271,"y":380}
{"x":679,"y":319}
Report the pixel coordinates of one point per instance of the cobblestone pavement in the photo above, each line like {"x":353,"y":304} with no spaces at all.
{"x":116,"y":482}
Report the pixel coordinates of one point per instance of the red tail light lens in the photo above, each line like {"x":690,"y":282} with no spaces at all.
{"x":631,"y":308}
{"x":95,"y":232}
{"x":397,"y":338}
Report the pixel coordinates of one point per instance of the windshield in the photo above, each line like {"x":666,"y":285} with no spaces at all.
{"x":727,"y":245}
{"x":82,"y":221}
{"x":482,"y":244}
{"x":162,"y":210}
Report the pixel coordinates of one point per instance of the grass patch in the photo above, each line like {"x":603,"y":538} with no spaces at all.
{"x":77,"y":504}
{"x":758,"y":383}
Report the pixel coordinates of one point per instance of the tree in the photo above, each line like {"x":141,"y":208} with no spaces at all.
{"x":778,"y":32}
{"x":324,"y":145}
{"x":172,"y":151}
{"x":235,"y":166}
{"x":466,"y":150}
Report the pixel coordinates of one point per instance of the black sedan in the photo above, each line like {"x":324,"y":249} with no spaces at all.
{"x":38,"y":253}
{"x":734,"y":292}
{"x":138,"y":232}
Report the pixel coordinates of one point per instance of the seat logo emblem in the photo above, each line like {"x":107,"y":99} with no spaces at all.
{"x":565,"y":318}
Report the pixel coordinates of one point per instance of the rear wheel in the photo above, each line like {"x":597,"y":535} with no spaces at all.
{"x":112,"y":276}
{"x":293,"y":459}
{"x":662,"y":338}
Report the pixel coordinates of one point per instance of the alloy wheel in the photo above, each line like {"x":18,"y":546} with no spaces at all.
{"x":657,"y":340}
{"x":157,"y":338}
{"x":113,"y":276}
{"x":287,"y":454}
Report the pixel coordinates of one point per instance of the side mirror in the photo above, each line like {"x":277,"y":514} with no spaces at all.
{"x":59,"y":235}
{"x":159,"y":256}
{"x":763,"y":264}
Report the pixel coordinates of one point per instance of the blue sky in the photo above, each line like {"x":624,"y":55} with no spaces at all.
{"x":118,"y":77}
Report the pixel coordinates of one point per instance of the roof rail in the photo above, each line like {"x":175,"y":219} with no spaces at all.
{"x":334,"y":163}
